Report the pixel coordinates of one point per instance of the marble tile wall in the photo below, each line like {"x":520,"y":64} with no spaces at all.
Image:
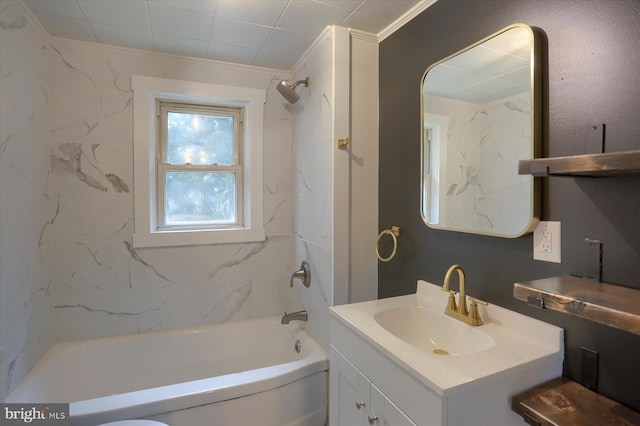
{"x":312,"y":168}
{"x":68,"y":269}
{"x":502,"y":201}
{"x":26,"y":211}
{"x":479,"y":156}
{"x":102,"y":285}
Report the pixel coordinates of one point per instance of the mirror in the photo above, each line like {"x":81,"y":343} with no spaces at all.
{"x":480,"y":116}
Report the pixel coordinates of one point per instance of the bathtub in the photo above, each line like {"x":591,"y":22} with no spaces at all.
{"x":239,"y":373}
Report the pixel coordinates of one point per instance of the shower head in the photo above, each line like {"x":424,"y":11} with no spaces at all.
{"x":289,"y":92}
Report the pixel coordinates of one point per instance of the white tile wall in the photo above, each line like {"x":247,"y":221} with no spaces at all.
{"x":104,"y":287}
{"x":504,"y":202}
{"x":479,"y":158}
{"x":312,"y":169}
{"x":68,"y":270}
{"x":26,"y":315}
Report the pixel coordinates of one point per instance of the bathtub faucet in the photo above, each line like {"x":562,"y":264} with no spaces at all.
{"x":297,"y":316}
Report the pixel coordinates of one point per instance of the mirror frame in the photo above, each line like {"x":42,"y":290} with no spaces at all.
{"x":536,"y":130}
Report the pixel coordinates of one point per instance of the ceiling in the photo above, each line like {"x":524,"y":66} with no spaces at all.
{"x":498,"y":68}
{"x":265,"y":33}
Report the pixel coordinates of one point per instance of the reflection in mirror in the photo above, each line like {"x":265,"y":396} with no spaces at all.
{"x":480,"y":117}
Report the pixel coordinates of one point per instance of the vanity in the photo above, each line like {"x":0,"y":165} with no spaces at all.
{"x":402,"y":361}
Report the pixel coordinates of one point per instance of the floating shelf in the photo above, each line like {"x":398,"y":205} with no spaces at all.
{"x":608,"y":164}
{"x":609,"y":304}
{"x":564,"y":402}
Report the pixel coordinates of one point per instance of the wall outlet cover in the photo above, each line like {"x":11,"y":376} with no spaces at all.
{"x":547,"y":242}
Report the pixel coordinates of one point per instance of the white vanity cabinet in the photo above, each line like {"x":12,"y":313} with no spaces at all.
{"x":381,"y":375}
{"x":357,"y":401}
{"x":361,"y":374}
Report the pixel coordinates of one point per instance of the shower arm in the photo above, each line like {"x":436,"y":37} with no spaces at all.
{"x":299,"y":82}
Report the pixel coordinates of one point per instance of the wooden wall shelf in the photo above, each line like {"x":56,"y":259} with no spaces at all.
{"x":609,"y":304}
{"x":607,"y":164}
{"x":564,"y":402}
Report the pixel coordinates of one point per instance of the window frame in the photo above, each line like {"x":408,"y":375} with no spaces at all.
{"x":164,"y":107}
{"x":147,"y":94}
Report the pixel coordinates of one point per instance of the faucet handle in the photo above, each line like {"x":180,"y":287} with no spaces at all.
{"x":303,"y":273}
{"x":451,"y":305}
{"x":474,"y":301}
{"x":474,"y":314}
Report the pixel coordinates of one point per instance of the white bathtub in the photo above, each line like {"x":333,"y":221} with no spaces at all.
{"x":239,"y":373}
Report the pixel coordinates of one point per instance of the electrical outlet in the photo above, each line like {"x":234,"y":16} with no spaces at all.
{"x":546,"y":242}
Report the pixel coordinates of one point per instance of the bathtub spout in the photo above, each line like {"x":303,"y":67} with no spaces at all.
{"x":297,"y":316}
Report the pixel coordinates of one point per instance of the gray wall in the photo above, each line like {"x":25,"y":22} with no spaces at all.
{"x":592,"y":63}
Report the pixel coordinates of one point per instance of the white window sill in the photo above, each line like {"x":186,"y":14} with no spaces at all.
{"x":200,"y":237}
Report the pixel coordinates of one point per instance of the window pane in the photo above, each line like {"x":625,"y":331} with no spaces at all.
{"x":193,"y":198}
{"x":199,"y":139}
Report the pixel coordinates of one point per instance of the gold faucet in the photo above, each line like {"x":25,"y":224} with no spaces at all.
{"x":459,"y":311}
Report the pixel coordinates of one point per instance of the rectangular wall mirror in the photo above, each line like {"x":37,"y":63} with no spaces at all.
{"x":481,"y":114}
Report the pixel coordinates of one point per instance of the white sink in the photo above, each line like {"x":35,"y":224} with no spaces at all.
{"x":414,"y":332}
{"x":433,"y":332}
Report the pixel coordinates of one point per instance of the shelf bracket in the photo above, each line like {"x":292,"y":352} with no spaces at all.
{"x":592,"y":269}
{"x":536,"y":302}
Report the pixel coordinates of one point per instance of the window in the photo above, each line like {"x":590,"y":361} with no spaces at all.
{"x":199,"y":179}
{"x":197,"y":163}
{"x":434,"y":167}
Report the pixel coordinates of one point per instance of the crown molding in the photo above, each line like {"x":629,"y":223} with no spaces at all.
{"x":406,"y":17}
{"x":363,"y":35}
{"x":326,"y":33}
{"x":167,"y":56}
{"x":140,"y":52}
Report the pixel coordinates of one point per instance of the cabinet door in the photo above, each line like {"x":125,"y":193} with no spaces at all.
{"x":349,"y":393}
{"x":383,"y":412}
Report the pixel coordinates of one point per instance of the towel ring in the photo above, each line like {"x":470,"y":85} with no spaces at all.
{"x":395,"y":233}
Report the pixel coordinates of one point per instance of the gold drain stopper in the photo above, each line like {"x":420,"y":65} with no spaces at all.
{"x":440,"y":352}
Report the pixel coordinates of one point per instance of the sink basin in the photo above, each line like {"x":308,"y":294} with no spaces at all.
{"x":442,"y":352}
{"x":432,"y":331}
